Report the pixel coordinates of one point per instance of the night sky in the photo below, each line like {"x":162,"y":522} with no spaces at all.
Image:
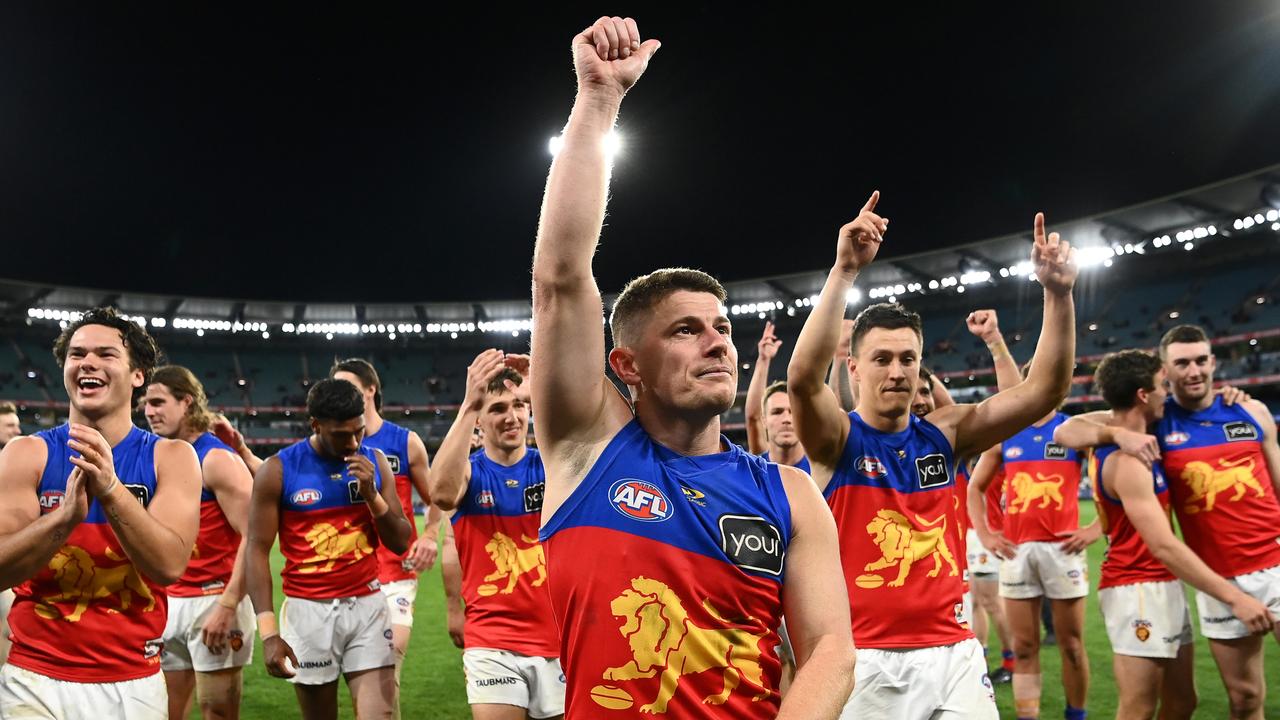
{"x":398,"y":153}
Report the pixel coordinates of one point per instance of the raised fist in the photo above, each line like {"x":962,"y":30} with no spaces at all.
{"x":983,"y":324}
{"x":769,"y":343}
{"x":610,"y":56}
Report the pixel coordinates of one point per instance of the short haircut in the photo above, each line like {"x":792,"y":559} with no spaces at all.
{"x":890,"y":316}
{"x":144,"y":353}
{"x":631,"y":309}
{"x":1182,"y":334}
{"x":332,"y":399}
{"x":498,"y":384}
{"x":926,"y":376}
{"x":779,"y":386}
{"x":362,"y":369}
{"x":183,"y":384}
{"x":8,"y":408}
{"x":1122,"y":374}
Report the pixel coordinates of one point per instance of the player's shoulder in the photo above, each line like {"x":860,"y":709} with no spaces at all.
{"x":25,"y":451}
{"x":1260,"y":412}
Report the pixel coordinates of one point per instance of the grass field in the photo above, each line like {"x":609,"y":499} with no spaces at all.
{"x":432,"y":687}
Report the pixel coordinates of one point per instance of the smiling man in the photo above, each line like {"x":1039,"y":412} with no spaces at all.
{"x":98,"y":516}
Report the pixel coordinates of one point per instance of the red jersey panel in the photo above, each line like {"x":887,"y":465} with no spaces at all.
{"x":1221,"y":487}
{"x":214,"y":555}
{"x":89,"y":616}
{"x":1042,"y":485}
{"x":995,"y":501}
{"x":393,"y":441}
{"x":327,"y":535}
{"x":1128,"y":560}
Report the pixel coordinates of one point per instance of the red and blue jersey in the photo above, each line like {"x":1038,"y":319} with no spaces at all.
{"x":214,"y":554}
{"x":803,"y":463}
{"x":1221,"y":486}
{"x":393,"y":441}
{"x":327,"y":535}
{"x":1128,"y":560}
{"x":1042,"y":485}
{"x":90,"y":616}
{"x":666,"y":576}
{"x":504,"y":568}
{"x":901,"y":542}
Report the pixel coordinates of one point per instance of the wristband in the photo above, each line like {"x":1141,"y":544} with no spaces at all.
{"x":267,"y":628}
{"x":115,"y":480}
{"x":222,"y":600}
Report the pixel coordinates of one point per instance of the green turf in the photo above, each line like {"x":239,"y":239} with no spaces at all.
{"x":431,"y":685}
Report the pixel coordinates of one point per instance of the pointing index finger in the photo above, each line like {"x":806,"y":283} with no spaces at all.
{"x":871,"y":201}
{"x":1039,"y":229}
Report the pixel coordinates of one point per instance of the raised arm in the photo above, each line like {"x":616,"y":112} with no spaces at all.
{"x":227,"y":433}
{"x":576,"y":405}
{"x":757,"y":442}
{"x":977,"y":427}
{"x":983,"y":473}
{"x":423,"y":551}
{"x":452,"y":473}
{"x":1130,"y":478}
{"x":816,"y":604}
{"x":985,"y":325}
{"x":1090,"y":430}
{"x":821,"y":424}
{"x":838,"y":377}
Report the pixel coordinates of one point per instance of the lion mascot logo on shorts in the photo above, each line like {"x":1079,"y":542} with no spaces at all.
{"x":1046,"y":489}
{"x":1206,"y":481}
{"x":664,"y":640}
{"x":83,"y":581}
{"x":331,"y":545}
{"x":510,"y":561}
{"x":902,"y":544}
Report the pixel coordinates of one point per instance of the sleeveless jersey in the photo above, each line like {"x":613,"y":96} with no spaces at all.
{"x":1127,"y":559}
{"x":1042,"y":485}
{"x":1221,"y":487}
{"x":504,"y":568}
{"x":90,"y":616}
{"x":327,"y":535}
{"x":803,"y":464}
{"x":214,"y":554}
{"x":666,"y":576}
{"x":393,"y":441}
{"x":901,"y":541}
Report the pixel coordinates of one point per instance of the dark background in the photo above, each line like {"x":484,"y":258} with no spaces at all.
{"x":395,"y":153}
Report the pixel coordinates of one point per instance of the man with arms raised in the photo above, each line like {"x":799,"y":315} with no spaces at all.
{"x":209,"y":635}
{"x":495,"y":496}
{"x":771,"y":434}
{"x":98,"y":516}
{"x":665,"y":543}
{"x":332,"y":500}
{"x":887,"y":476}
{"x":404,"y":450}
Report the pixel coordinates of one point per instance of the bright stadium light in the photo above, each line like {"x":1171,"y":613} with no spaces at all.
{"x":852,"y":296}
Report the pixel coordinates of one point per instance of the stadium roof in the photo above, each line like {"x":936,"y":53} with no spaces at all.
{"x":1193,"y":221}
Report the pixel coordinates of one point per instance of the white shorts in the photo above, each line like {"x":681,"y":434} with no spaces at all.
{"x":401,"y":596}
{"x":24,"y":694}
{"x":982,"y":562}
{"x":1042,"y":569}
{"x":6,"y":602}
{"x":506,"y":678}
{"x":330,"y":637}
{"x":183,"y":647}
{"x":1216,"y":620}
{"x":1148,"y":619}
{"x":937,"y":683}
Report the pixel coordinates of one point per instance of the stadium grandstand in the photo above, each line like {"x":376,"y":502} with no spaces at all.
{"x":1209,"y":256}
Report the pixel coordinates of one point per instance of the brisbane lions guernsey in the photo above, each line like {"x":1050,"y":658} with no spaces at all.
{"x":995,"y":501}
{"x":1042,"y":485}
{"x":327,"y":535}
{"x":666,"y":576}
{"x":90,"y":616}
{"x":802,"y":465}
{"x":1128,"y":560}
{"x":1221,"y":486}
{"x":214,"y":554}
{"x":901,"y":541}
{"x":393,"y":441}
{"x":504,"y":568}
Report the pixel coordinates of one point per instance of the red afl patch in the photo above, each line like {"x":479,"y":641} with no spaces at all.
{"x":640,"y":500}
{"x":1176,"y":437}
{"x":306,"y":496}
{"x":870,"y":467}
{"x":50,"y":500}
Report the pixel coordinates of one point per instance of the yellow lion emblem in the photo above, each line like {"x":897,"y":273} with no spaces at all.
{"x":511,"y":561}
{"x":1207,"y":481}
{"x":662,"y":638}
{"x":83,"y":581}
{"x":1025,"y":490}
{"x":332,"y":545}
{"x":901,"y":544}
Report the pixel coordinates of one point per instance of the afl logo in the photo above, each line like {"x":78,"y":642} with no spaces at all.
{"x":640,"y":500}
{"x":1176,"y":438}
{"x":50,"y":499}
{"x":870,"y":467}
{"x":1013,"y":453}
{"x":306,"y":496}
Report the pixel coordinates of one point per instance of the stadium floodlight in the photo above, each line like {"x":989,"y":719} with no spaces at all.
{"x":613,"y":144}
{"x":1189,"y":247}
{"x":960,"y":289}
{"x":933,"y":284}
{"x":852,"y":296}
